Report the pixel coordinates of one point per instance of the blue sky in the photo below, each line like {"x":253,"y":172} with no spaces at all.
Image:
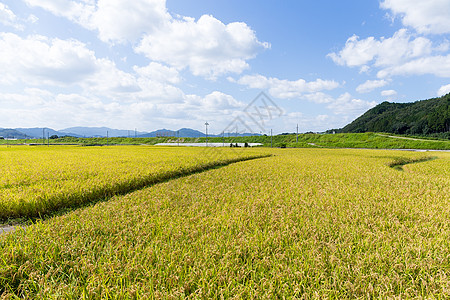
{"x":151,"y":64}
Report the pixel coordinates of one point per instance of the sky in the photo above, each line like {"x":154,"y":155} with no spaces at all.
{"x":247,"y":66}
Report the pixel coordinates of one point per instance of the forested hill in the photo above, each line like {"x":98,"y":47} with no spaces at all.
{"x":420,"y":117}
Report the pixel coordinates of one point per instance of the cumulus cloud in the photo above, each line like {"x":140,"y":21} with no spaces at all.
{"x":356,"y":52}
{"x":158,"y":72}
{"x":317,"y":123}
{"x":343,"y":110}
{"x":118,"y":20}
{"x":399,"y":48}
{"x":8,"y":18}
{"x":388,"y":93}
{"x":213,"y":102}
{"x":77,"y":11}
{"x":444,"y":90}
{"x":207,"y":47}
{"x":431,"y":16}
{"x":370,"y":85}
{"x":402,"y":54}
{"x":346,"y":105}
{"x":32,"y":107}
{"x":435,"y":65}
{"x":115,"y":20}
{"x":286,"y":89}
{"x":38,"y":60}
{"x":108,"y":80}
{"x":319,"y":97}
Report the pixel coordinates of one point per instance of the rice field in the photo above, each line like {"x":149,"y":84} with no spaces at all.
{"x":303,"y":223}
{"x":35,"y":181}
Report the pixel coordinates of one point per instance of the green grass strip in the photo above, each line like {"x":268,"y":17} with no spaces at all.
{"x":399,"y":162}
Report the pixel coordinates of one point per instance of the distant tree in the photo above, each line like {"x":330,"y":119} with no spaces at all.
{"x":53,"y":137}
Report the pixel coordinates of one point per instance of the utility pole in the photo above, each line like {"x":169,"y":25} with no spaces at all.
{"x":206,"y":124}
{"x":223,"y":138}
{"x":48,"y":139}
{"x":43,"y":136}
{"x":271,"y":139}
{"x":107,"y":135}
{"x":178,"y":137}
{"x":135,"y":132}
{"x":297,"y":133}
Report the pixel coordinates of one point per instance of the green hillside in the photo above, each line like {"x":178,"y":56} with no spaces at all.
{"x":339,"y":140}
{"x":416,"y":118}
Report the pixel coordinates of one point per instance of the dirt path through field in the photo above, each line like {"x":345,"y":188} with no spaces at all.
{"x":406,"y":138}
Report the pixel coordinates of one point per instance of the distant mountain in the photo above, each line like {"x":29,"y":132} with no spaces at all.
{"x":100,"y":132}
{"x":183,"y":132}
{"x":11,"y":133}
{"x":37,"y":133}
{"x":187,"y":132}
{"x":420,"y":117}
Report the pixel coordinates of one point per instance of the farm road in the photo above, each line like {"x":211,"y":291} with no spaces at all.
{"x":405,"y":138}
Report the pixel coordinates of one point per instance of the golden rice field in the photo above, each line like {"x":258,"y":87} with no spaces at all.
{"x":303,"y":223}
{"x":38,"y":180}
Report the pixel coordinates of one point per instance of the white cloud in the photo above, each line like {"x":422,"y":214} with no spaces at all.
{"x":370,"y":85}
{"x":286,"y":89}
{"x":435,"y":65}
{"x":8,"y":18}
{"x":399,"y":48}
{"x":158,"y":72}
{"x":318,"y":123}
{"x":207,"y":47}
{"x":39,"y":60}
{"x":356,"y":52}
{"x":115,"y":20}
{"x":109,"y":81}
{"x":389,"y":94}
{"x":319,"y":97}
{"x":77,"y":11}
{"x":118,"y":20}
{"x":444,"y":90}
{"x":430,"y":16}
{"x":39,"y":107}
{"x":344,"y":109}
{"x":215,"y":101}
{"x":346,"y":105}
{"x":402,"y":54}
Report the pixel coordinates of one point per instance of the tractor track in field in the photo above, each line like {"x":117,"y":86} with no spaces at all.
{"x":5,"y":228}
